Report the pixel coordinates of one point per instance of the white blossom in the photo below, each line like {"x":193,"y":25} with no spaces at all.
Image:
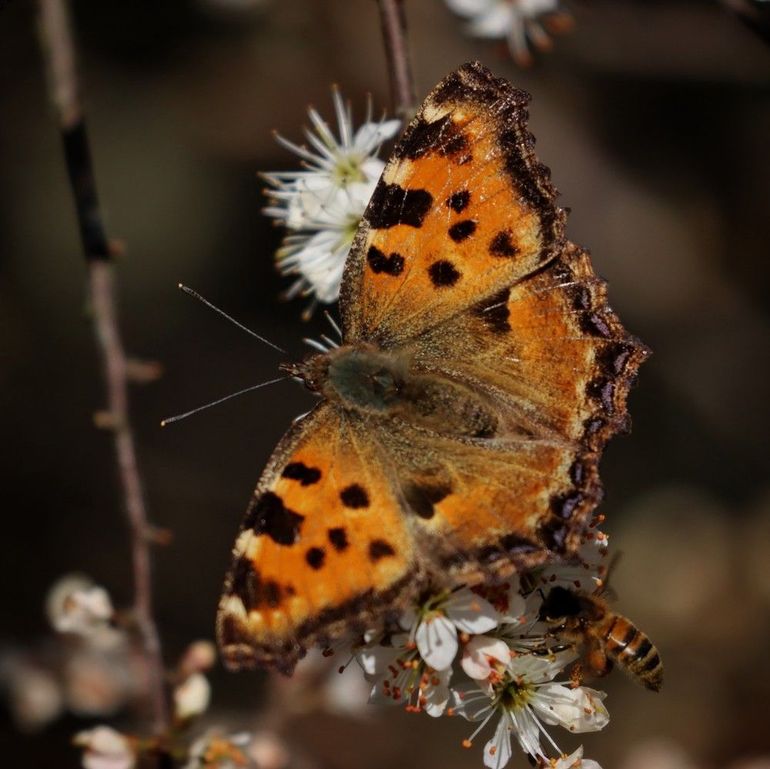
{"x":104,"y":748}
{"x":322,"y":205}
{"x":525,"y":699}
{"x":191,"y":697}
{"x":434,"y":626}
{"x":516,"y":21}
{"x":401,"y":676}
{"x":76,"y":605}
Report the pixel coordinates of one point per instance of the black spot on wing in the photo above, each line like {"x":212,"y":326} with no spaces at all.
{"x":443,"y":273}
{"x":391,"y":204}
{"x":441,"y":136}
{"x":421,"y":497}
{"x":354,"y":496}
{"x":315,"y":557}
{"x":247,"y":584}
{"x":462,"y":230}
{"x":338,"y":538}
{"x":378,"y":549}
{"x":502,"y":244}
{"x":378,"y":262}
{"x":458,"y":201}
{"x":494,"y":312}
{"x":299,"y":471}
{"x":422,"y":138}
{"x":269,"y":516}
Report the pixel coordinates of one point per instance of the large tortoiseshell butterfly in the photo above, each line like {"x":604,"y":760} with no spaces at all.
{"x":457,"y":438}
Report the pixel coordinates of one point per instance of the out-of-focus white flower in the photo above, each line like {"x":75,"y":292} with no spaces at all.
{"x":199,"y":657}
{"x":574,"y":761}
{"x":33,"y":693}
{"x":191,"y":697}
{"x":98,"y":682}
{"x":433,"y":626}
{"x":213,"y":750}
{"x":517,"y":21}
{"x":268,"y":751}
{"x":104,"y":748}
{"x":526,"y":699}
{"x":322,"y":205}
{"x":76,"y":605}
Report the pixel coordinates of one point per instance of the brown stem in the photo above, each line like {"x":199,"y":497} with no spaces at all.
{"x":59,"y":55}
{"x":393,"y":20}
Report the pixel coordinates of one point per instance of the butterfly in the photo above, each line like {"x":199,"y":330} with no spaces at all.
{"x":461,"y":419}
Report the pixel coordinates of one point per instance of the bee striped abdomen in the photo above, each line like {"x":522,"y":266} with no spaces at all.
{"x":634,"y":652}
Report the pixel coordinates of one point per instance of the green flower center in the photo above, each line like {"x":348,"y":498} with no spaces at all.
{"x":515,"y":695}
{"x":348,"y":170}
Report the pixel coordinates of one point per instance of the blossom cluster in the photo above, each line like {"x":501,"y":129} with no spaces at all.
{"x":487,"y":655}
{"x":321,"y":205}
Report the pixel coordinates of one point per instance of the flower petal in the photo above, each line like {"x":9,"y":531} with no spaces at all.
{"x":471,"y":702}
{"x":576,"y":761}
{"x":579,"y":710}
{"x":437,"y":693}
{"x":497,"y":752}
{"x":470,"y":612}
{"x":436,"y":640}
{"x":481,"y":653}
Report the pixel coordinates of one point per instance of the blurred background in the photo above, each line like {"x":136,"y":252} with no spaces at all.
{"x":654,"y":118}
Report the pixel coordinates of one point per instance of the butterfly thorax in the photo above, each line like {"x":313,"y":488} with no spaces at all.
{"x":367,"y":379}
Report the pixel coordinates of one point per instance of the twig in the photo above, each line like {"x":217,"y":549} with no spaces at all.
{"x":59,"y":55}
{"x":393,"y":20}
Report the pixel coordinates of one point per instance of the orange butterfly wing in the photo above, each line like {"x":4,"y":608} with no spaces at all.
{"x":556,"y":363}
{"x":322,"y":546}
{"x":462,"y":210}
{"x":461,"y":272}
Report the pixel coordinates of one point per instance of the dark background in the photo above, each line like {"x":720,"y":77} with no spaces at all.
{"x":654,"y":117}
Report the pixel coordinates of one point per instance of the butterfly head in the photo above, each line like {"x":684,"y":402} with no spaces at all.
{"x":312,"y":372}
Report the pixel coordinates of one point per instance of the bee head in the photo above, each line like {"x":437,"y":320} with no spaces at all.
{"x":559,"y":604}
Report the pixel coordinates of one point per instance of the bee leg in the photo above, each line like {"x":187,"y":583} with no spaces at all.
{"x":598,"y":661}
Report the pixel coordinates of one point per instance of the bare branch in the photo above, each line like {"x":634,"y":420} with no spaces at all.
{"x":393,"y":20}
{"x":59,"y":55}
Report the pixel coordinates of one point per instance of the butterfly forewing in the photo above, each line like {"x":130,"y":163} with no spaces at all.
{"x":462,"y":210}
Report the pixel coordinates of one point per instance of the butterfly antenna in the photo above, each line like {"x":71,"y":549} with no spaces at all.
{"x":232,"y":320}
{"x":333,"y":323}
{"x":179,"y":417}
{"x":315,"y":344}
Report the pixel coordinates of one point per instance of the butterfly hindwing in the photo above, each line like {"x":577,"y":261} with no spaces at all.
{"x":555,"y":365}
{"x":323,"y":544}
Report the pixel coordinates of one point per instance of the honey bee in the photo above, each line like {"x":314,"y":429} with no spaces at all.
{"x":607,"y":638}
